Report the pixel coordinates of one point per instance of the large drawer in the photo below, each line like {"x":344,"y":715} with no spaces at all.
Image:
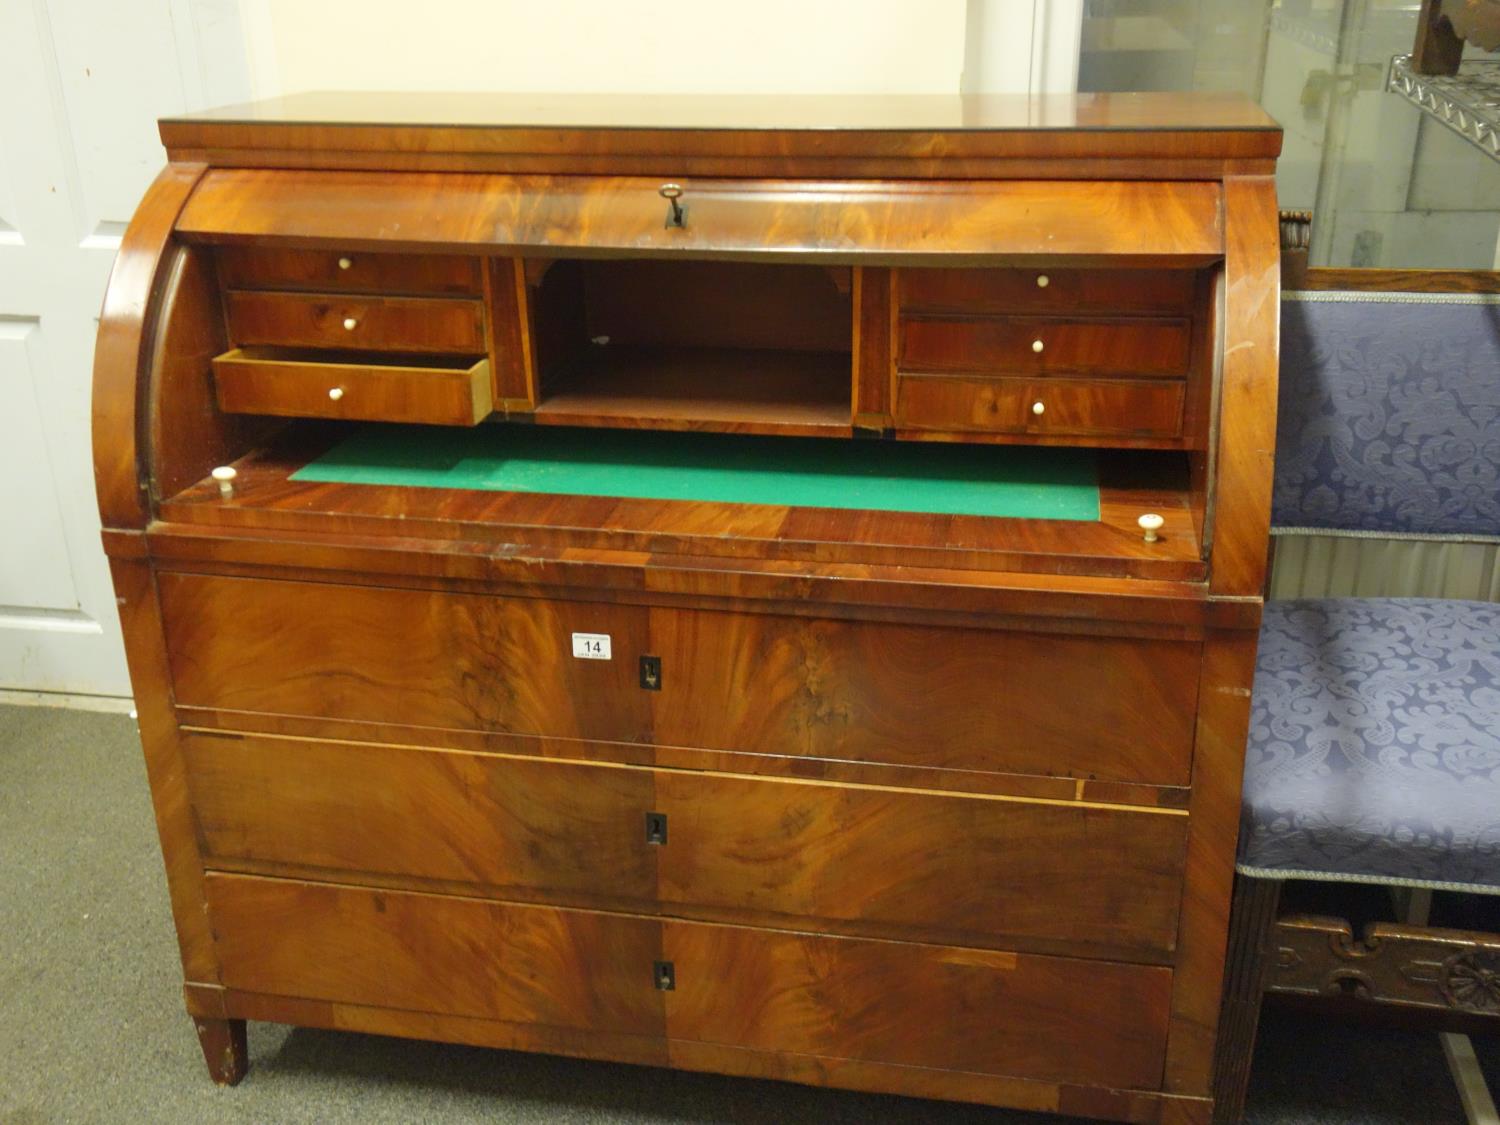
{"x":972,"y":870}
{"x":360,"y":323}
{"x":1007,"y":701}
{"x":1048,"y":1018}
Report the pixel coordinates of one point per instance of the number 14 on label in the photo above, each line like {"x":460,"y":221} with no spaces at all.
{"x":591,"y":646}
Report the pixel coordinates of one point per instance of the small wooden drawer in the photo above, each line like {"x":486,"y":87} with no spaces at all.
{"x":872,"y":860}
{"x":348,"y":271}
{"x":1118,"y":408}
{"x":1053,"y":1019}
{"x":1041,"y":345}
{"x":293,"y":384}
{"x":1147,"y":408}
{"x":1115,"y":708}
{"x":1069,"y":291}
{"x":403,"y":324}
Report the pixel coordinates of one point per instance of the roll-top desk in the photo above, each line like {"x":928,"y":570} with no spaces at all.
{"x":766,"y":587}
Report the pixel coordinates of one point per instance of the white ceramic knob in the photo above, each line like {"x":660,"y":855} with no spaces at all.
{"x":1042,"y":281}
{"x":336,"y":393}
{"x":345,"y":263}
{"x":225,"y":475}
{"x":1039,"y":407}
{"x":1150,"y":524}
{"x":1036,"y":345}
{"x":349,"y":323}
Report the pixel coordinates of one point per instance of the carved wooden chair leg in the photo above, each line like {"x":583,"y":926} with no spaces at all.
{"x":224,"y":1049}
{"x":1252,"y":926}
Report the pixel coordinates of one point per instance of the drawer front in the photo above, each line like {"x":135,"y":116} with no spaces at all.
{"x":348,"y":271}
{"x":972,"y":870}
{"x":1030,"y":345}
{"x":1054,"y":1019}
{"x":1121,"y":408}
{"x":1114,"y":708}
{"x":1066,"y":291}
{"x":403,"y":324}
{"x":276,"y":382}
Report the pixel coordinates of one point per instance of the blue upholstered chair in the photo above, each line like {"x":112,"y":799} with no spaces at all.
{"x":1374,"y":750}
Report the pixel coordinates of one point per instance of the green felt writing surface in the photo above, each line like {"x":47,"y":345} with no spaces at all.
{"x":1011,"y":481}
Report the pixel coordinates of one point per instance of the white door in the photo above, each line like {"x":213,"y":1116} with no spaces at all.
{"x":82,"y":83}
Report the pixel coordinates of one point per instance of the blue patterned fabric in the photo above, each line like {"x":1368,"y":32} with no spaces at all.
{"x":1390,"y":415}
{"x":1375,"y":743}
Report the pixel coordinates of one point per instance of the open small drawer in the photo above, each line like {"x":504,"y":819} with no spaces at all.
{"x":308,"y":383}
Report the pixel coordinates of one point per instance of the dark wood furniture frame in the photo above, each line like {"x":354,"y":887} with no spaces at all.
{"x":927,"y":804}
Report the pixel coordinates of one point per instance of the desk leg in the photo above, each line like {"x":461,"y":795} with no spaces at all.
{"x":1252,"y":924}
{"x":223,"y":1043}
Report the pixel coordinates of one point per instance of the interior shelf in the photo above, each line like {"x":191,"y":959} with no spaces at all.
{"x":746,"y":390}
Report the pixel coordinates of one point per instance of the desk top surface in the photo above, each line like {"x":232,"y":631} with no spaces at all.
{"x":1166,"y":135}
{"x":1152,"y":112}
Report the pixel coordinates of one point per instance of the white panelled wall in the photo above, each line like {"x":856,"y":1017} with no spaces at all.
{"x":81,"y":85}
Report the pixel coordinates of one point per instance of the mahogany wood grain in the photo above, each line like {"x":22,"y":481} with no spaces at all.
{"x":288,"y":383}
{"x":1102,"y":407}
{"x":874,"y":368}
{"x":130,"y":307}
{"x":1031,"y":703}
{"x":1109,"y":410}
{"x":1007,"y":345}
{"x":401,"y":324}
{"x":335,"y":271}
{"x":187,"y":435}
{"x":1045,"y":291}
{"x":1402,"y":281}
{"x":150,"y":681}
{"x":1213,"y":830}
{"x":843,"y":223}
{"x":1094,"y":791}
{"x":267,"y":501}
{"x":849,"y":858}
{"x":708,"y":389}
{"x":511,"y":347}
{"x":409,"y":656}
{"x":916,"y":1005}
{"x":1142,"y":1106}
{"x":951,"y":801}
{"x":1149,"y":136}
{"x":1247,"y":396}
{"x":225,"y":1049}
{"x":953,"y":698}
{"x":1063,"y":603}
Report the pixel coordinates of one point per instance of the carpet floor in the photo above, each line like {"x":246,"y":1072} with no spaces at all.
{"x":92,"y":1027}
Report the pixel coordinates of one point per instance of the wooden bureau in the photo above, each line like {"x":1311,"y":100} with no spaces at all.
{"x":757,"y":586}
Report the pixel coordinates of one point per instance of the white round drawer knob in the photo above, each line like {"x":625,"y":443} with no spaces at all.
{"x":1039,"y":407}
{"x":225,"y":475}
{"x":350,"y":323}
{"x":345,"y":263}
{"x":336,"y":393}
{"x":1150,"y":524}
{"x":1036,"y":345}
{"x":1042,"y":281}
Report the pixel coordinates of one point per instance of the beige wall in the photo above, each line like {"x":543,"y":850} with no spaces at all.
{"x":620,"y":46}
